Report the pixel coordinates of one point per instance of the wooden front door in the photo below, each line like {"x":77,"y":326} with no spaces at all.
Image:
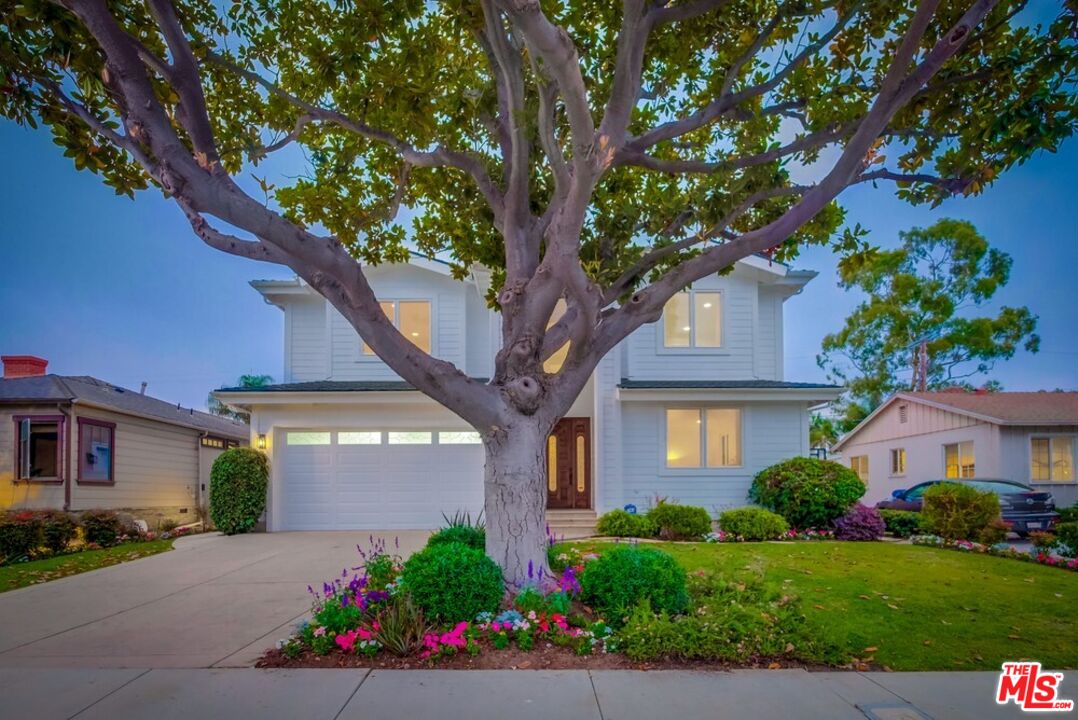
{"x":569,"y":465}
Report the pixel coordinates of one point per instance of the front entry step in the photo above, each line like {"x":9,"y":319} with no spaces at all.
{"x":570,"y":524}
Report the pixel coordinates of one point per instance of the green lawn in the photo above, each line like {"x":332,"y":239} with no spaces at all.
{"x":39,"y":571}
{"x":911,"y":607}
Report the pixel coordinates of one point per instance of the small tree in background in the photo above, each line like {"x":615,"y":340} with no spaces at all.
{"x":238,"y":483}
{"x":217,"y":407}
{"x":927,"y":291}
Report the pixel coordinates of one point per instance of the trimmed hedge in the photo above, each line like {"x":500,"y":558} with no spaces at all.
{"x":58,"y":529}
{"x":809,"y":493}
{"x":238,"y":482}
{"x":901,"y":523}
{"x":753,"y":523}
{"x":102,"y":527}
{"x":958,"y":512}
{"x":453,"y":582}
{"x":620,"y":523}
{"x":679,"y":522}
{"x":20,"y":534}
{"x":624,"y":576}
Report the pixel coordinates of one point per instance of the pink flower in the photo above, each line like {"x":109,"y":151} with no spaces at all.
{"x":347,"y":641}
{"x":320,"y":632}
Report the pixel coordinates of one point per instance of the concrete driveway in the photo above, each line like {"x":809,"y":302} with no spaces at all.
{"x":212,"y":601}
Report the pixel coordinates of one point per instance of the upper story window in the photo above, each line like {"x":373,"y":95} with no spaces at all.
{"x":693,"y":319}
{"x":958,"y":462}
{"x":1052,"y":458}
{"x":412,"y":318}
{"x":38,"y":452}
{"x":703,"y":437}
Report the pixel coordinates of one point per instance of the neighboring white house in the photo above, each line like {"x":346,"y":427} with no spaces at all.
{"x":688,"y":408}
{"x":1029,"y":437}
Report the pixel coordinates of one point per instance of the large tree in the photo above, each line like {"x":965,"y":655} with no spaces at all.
{"x":608,"y":154}
{"x":922,"y":324}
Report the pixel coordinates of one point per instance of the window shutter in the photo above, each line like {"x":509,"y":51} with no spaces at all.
{"x":24,"y":449}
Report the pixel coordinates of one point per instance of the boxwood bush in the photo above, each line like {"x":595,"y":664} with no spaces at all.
{"x":679,"y":522}
{"x":809,"y":493}
{"x":20,"y":534}
{"x":470,"y":535}
{"x":452,"y":582}
{"x":901,"y":523}
{"x":58,"y":529}
{"x":102,"y":527}
{"x":624,"y":576}
{"x":958,"y":512}
{"x":238,"y":482}
{"x":1067,"y":534}
{"x":619,"y":523}
{"x":753,"y":523}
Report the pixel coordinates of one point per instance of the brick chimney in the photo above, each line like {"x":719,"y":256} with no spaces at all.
{"x":20,"y":366}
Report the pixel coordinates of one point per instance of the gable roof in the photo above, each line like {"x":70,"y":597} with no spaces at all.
{"x":98,"y":393}
{"x":998,"y":408}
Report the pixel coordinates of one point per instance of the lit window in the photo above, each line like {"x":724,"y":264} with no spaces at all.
{"x":412,"y":318}
{"x":859,"y":464}
{"x":359,"y":438}
{"x":693,"y":319}
{"x":958,"y":460}
{"x":410,"y":438}
{"x":898,"y":461}
{"x":703,"y":437}
{"x":458,"y":438}
{"x":553,"y":363}
{"x":307,"y":438}
{"x":1052,"y":459}
{"x":38,"y":450}
{"x":95,"y":450}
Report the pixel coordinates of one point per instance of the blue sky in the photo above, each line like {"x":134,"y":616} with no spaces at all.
{"x":100,"y":285}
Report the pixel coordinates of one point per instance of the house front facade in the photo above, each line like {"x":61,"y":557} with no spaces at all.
{"x":689,"y":408}
{"x":76,"y":443}
{"x":1028,"y":437}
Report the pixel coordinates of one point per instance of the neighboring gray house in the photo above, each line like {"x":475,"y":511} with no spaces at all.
{"x":75,"y":443}
{"x":687,"y":408}
{"x":1030,"y":437}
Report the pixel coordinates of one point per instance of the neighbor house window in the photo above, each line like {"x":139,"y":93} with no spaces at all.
{"x":1052,"y":459}
{"x":859,"y":464}
{"x":412,"y":318}
{"x":898,"y":461}
{"x":38,"y":451}
{"x":693,"y":319}
{"x":958,"y":460}
{"x":97,"y":440}
{"x":703,"y":437}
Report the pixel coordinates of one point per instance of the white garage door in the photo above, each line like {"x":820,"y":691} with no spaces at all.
{"x":361,"y":480}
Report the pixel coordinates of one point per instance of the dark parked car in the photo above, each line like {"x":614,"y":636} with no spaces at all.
{"x":1022,"y":507}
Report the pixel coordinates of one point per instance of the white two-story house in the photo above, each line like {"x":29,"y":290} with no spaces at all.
{"x":689,"y":408}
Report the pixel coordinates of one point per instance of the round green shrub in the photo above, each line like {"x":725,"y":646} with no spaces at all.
{"x":101,"y":527}
{"x":621,"y":578}
{"x":238,"y":482}
{"x":958,"y":512}
{"x":619,"y":523}
{"x":20,"y":534}
{"x":809,"y":493}
{"x":994,"y":532}
{"x":1067,"y":534}
{"x":453,"y":582}
{"x":679,"y":522}
{"x":901,"y":523}
{"x":58,"y":529}
{"x":753,"y":523}
{"x":473,"y":537}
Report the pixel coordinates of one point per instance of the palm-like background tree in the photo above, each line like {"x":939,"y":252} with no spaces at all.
{"x":216,"y":407}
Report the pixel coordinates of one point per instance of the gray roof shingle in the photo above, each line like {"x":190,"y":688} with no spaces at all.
{"x":83,"y":388}
{"x":627,"y":384}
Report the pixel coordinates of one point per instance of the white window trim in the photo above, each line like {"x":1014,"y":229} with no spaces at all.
{"x":891,"y":461}
{"x":703,"y":470}
{"x":943,"y":456}
{"x":363,"y":357}
{"x":1074,"y":458}
{"x":660,"y":328}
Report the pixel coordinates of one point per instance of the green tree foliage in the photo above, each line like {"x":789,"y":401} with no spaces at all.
{"x":930,"y":288}
{"x":217,"y":407}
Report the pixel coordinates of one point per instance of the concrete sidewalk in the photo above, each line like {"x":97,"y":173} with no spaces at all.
{"x":175,"y":694}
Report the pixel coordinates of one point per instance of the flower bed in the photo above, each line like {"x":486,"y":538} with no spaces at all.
{"x":793,"y":534}
{"x":1004,"y":550}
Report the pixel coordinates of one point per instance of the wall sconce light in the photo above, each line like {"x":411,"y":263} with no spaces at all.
{"x":261,"y":441}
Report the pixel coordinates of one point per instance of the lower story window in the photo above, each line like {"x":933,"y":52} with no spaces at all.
{"x":958,"y":462}
{"x":96,"y":450}
{"x":898,"y":461}
{"x":1052,"y":458}
{"x":703,"y":437}
{"x":859,"y":464}
{"x":38,"y":452}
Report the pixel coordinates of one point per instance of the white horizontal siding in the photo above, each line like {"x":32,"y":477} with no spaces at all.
{"x":306,"y":350}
